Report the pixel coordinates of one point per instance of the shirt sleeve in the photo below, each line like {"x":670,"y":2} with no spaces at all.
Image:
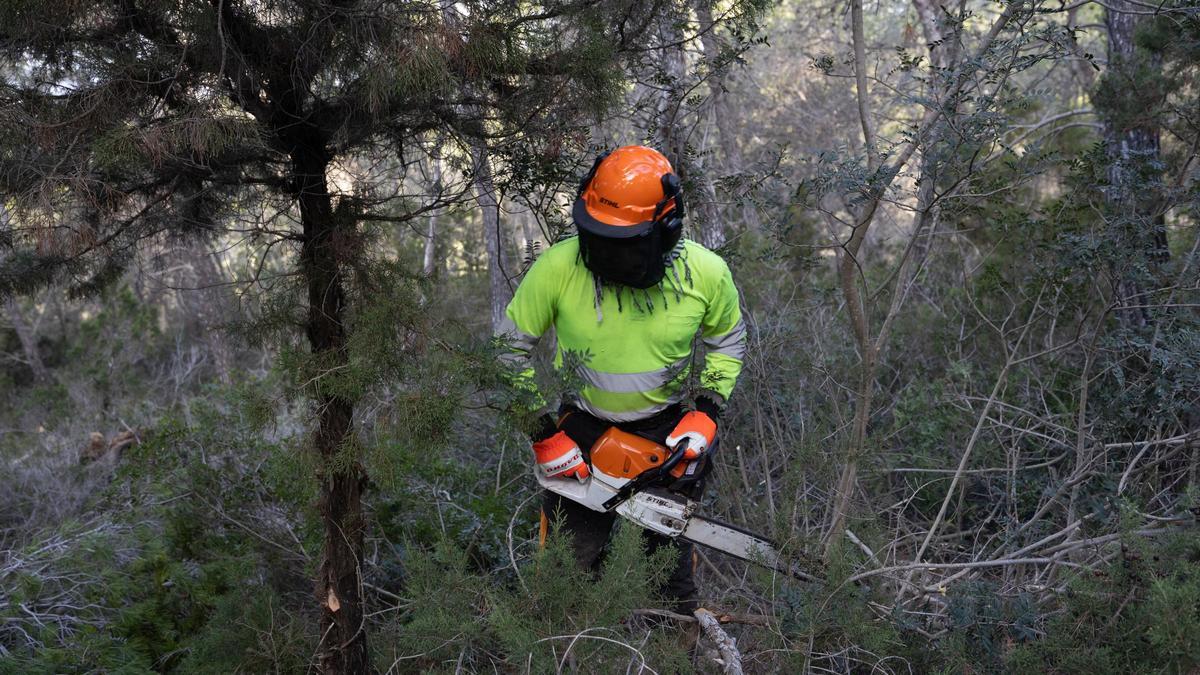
{"x":528,"y":316}
{"x":724,"y":333}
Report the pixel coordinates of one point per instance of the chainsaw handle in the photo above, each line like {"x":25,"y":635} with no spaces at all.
{"x":649,"y":476}
{"x":673,"y":460}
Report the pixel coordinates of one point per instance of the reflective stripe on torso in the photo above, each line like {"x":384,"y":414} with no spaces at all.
{"x":632,"y":354}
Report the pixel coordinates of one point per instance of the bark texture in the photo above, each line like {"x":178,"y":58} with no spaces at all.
{"x":731,"y":658}
{"x":485,"y":192}
{"x":1133,"y":148}
{"x":339,"y":583}
{"x":672,"y":141}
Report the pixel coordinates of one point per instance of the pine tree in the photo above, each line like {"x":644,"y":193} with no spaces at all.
{"x":126,"y":120}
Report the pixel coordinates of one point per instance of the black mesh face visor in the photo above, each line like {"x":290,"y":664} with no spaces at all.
{"x":635,"y":261}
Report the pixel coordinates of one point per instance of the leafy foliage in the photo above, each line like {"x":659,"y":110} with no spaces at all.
{"x":553,"y":614}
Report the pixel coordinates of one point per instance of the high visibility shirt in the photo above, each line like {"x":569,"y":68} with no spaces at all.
{"x":632,"y":348}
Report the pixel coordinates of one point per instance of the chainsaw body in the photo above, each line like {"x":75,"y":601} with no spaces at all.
{"x":625,"y":474}
{"x":617,"y":458}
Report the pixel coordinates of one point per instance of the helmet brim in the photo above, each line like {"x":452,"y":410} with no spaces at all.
{"x":586,"y":221}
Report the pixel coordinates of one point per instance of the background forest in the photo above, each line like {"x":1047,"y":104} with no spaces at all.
{"x":252,"y":253}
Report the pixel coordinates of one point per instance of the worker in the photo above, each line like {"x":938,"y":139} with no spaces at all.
{"x":627,"y":297}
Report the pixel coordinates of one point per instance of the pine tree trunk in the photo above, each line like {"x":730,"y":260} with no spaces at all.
{"x":343,"y":647}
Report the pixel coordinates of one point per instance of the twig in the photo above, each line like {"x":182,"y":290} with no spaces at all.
{"x":966,"y":456}
{"x":954,"y":566}
{"x":722,"y":617}
{"x":583,"y":635}
{"x":859,"y":543}
{"x":512,"y":553}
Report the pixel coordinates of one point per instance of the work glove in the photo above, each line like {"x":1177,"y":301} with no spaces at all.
{"x":698,"y":429}
{"x":558,"y":457}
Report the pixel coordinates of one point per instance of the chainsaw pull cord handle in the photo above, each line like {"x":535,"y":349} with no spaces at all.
{"x":648,"y":476}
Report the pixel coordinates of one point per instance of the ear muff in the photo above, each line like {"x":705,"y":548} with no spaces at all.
{"x":671,"y":190}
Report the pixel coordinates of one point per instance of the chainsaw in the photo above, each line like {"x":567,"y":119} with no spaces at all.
{"x":627,"y":472}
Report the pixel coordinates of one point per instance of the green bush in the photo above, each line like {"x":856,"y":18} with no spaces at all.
{"x":457,"y":616}
{"x":1139,"y":615}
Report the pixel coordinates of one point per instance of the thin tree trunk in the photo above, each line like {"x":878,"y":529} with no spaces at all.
{"x":485,"y":193}
{"x":720,"y":108}
{"x":429,"y":259}
{"x":343,"y":647}
{"x":849,"y":267}
{"x":1131,"y":149}
{"x":726,"y":117}
{"x":214,"y":307}
{"x":200,"y":284}
{"x":529,"y":232}
{"x":672,"y":142}
{"x":201,"y":288}
{"x":871,"y":346}
{"x":1082,"y":64}
{"x":930,"y":13}
{"x":429,"y":262}
{"x":29,"y":343}
{"x":489,"y":202}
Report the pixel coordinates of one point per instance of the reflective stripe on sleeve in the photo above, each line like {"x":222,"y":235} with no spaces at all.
{"x":732,"y":344}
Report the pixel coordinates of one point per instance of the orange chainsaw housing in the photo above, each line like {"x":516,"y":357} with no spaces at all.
{"x":625,"y":455}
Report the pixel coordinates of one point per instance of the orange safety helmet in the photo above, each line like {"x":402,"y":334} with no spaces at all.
{"x":627,"y":192}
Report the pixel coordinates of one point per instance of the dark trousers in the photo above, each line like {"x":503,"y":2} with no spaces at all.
{"x":590,"y":530}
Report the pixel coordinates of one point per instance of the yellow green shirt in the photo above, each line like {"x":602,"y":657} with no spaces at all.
{"x":633,"y":347}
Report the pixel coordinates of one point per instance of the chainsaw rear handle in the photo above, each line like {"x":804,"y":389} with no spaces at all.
{"x":649,"y":476}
